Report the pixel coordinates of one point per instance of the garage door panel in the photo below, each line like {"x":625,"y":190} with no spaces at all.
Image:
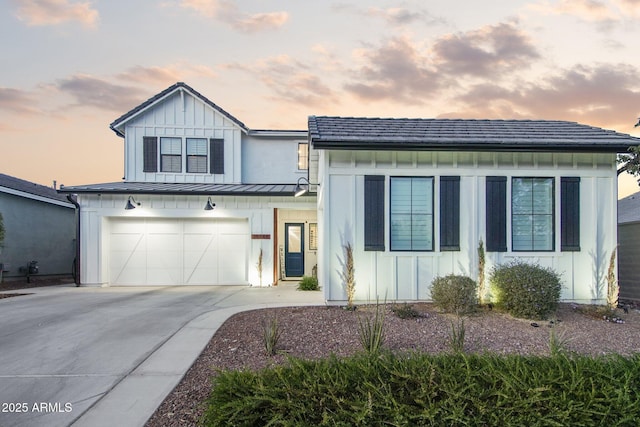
{"x":175,"y":252}
{"x":234,"y":269}
{"x":200,"y":227}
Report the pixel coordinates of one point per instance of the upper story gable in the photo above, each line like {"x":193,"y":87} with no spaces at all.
{"x":180,"y":136}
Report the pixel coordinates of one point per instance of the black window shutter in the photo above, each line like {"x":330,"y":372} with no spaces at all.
{"x":374,"y":212}
{"x":496,"y":213}
{"x":216,"y":160}
{"x":570,"y":214}
{"x":450,"y":213}
{"x":150,"y":154}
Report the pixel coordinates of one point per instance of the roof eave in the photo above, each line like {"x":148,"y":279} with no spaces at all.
{"x":326,"y":144}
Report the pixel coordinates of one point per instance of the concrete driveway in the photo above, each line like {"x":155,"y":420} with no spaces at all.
{"x":109,"y":356}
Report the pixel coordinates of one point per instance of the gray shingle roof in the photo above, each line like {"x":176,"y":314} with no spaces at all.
{"x":629,"y":209}
{"x":362,"y":133}
{"x":17,"y":184}
{"x":185,"y":189}
{"x":119,"y":121}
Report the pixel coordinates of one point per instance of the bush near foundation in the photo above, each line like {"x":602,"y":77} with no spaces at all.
{"x":526,"y":290}
{"x":454,"y":294}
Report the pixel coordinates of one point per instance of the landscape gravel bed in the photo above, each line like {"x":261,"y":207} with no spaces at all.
{"x":316,"y":332}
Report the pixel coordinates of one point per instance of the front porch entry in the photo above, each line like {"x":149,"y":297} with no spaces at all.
{"x":294,"y":249}
{"x":296,"y":243}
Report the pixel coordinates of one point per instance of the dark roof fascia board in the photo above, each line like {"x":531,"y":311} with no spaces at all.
{"x":326,"y":144}
{"x":122,"y":120}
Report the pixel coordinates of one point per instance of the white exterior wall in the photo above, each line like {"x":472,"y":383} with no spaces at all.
{"x":182,"y":115}
{"x":97,"y":210}
{"x":271,"y":160}
{"x":408,"y":275}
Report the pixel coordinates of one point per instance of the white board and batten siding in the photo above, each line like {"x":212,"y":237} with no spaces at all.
{"x":182,"y":116}
{"x":399,"y":275}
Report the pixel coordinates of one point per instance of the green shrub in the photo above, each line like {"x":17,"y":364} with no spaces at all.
{"x":454,"y":294}
{"x":431,"y":390}
{"x":526,"y":290}
{"x":405,"y":311}
{"x":308,"y":283}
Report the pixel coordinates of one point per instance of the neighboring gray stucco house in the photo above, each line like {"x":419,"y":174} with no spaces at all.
{"x":629,"y":246}
{"x":40,"y":225}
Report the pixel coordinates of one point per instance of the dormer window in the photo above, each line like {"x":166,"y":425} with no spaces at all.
{"x":171,"y":155}
{"x":196,"y":155}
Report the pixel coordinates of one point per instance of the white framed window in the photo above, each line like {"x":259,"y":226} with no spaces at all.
{"x":303,"y":156}
{"x":411,"y":213}
{"x":532,"y":214}
{"x":170,"y":154}
{"x":196,"y":155}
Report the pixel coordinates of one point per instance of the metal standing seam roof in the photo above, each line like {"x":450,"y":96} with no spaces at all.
{"x":362,"y":133}
{"x":31,"y":188}
{"x":185,"y":189}
{"x":175,"y":87}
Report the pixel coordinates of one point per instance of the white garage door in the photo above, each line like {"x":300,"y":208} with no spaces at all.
{"x":178,"y":251}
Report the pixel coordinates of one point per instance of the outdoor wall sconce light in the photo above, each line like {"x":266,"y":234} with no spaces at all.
{"x":210,"y":205}
{"x":300,"y":190}
{"x":131,"y":203}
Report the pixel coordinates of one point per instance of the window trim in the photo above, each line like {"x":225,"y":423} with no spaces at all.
{"x":162,"y":155}
{"x":205,"y":156}
{"x":553,"y":213}
{"x":433,"y":214}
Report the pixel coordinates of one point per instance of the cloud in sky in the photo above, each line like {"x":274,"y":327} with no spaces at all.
{"x":600,"y":95}
{"x":491,"y":50}
{"x":397,"y":71}
{"x":402,"y":70}
{"x":403,"y":16}
{"x":56,"y":12}
{"x":166,"y":75}
{"x":606,"y":15}
{"x":17,"y":101}
{"x":92,"y":91}
{"x":228,"y":12}
{"x":290,"y":81}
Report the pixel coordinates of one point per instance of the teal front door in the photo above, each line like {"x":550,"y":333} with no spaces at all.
{"x":294,"y":250}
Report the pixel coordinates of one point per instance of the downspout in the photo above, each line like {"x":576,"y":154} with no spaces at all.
{"x":76,"y":264}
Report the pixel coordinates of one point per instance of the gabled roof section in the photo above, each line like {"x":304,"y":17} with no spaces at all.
{"x":360,"y":133}
{"x":629,"y":209}
{"x":118,"y":124}
{"x":31,"y":190}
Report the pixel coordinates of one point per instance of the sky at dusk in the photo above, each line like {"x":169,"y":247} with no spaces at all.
{"x":70,"y":67}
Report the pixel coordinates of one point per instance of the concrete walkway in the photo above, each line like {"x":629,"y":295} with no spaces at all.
{"x":161,"y":331}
